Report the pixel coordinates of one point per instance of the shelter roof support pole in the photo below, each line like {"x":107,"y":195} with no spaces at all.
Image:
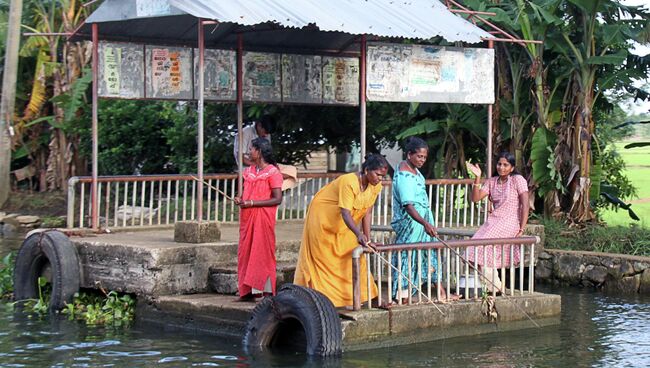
{"x":488,"y":169}
{"x":94,"y":199}
{"x":199,"y":205}
{"x":240,"y":112}
{"x":362,"y":98}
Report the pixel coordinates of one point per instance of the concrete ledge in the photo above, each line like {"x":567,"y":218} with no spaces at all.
{"x":197,"y":232}
{"x":151,"y":263}
{"x":419,"y":323}
{"x":223,"y":279}
{"x":366,"y":329}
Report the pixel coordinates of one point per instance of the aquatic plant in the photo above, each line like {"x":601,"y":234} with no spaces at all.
{"x":7,"y":276}
{"x":108,"y":309}
{"x":38,"y":306}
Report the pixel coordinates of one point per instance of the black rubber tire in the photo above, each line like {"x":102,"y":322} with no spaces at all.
{"x":315,"y":313}
{"x":38,"y":251}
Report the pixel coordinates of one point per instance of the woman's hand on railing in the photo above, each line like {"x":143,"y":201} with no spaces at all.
{"x":372,"y":246}
{"x":362,"y":239}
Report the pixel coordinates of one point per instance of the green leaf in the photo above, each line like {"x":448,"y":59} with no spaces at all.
{"x":422,"y":127}
{"x":74,"y":99}
{"x":542,"y":158}
{"x":49,"y":119}
{"x":548,"y":17}
{"x":21,"y":152}
{"x":596,"y":177}
{"x":609,"y":59}
{"x":413,"y":108}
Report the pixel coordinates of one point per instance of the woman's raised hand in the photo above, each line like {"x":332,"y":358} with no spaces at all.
{"x":474,"y":169}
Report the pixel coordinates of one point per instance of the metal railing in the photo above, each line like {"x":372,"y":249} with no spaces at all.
{"x":160,"y":200}
{"x":453,"y":264}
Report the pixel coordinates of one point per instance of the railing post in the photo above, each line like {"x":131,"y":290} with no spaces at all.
{"x":356,"y":278}
{"x":71,"y":198}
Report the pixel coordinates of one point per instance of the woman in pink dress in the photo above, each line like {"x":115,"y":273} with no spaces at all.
{"x":259,"y":202}
{"x":508,"y":193}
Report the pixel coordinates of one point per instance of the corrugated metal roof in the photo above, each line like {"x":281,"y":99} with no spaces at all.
{"x":415,"y":19}
{"x":421,"y":19}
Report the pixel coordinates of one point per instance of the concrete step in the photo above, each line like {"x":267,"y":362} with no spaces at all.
{"x":223,"y":279}
{"x":212,"y":313}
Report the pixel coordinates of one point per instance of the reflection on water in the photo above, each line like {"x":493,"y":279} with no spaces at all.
{"x":597,"y":330}
{"x":10,"y":240}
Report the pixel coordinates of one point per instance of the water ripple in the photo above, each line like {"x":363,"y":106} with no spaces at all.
{"x":130,"y":353}
{"x":172,"y":359}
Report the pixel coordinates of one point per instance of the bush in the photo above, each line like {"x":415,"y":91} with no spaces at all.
{"x":598,"y":238}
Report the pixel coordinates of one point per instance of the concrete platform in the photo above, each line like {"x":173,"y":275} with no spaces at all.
{"x":176,"y":283}
{"x":221,"y":315}
{"x":151,"y":263}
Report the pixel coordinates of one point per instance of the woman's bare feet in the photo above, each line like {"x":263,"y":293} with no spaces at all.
{"x":452,"y":297}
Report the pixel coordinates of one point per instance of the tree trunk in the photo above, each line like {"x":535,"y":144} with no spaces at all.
{"x":581,"y":210}
{"x":7,"y":102}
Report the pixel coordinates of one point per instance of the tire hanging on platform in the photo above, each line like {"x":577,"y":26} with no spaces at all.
{"x":39,"y":251}
{"x":279,"y":321}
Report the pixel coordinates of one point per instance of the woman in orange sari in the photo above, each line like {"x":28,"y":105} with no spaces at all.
{"x":338,"y":221}
{"x":259,"y":202}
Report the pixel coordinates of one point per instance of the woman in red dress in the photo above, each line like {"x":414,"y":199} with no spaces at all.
{"x":259,"y":202}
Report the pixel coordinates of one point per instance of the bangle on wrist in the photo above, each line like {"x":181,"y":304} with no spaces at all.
{"x":252,"y":203}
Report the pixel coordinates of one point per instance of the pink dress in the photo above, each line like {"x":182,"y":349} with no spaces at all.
{"x":256,"y":253}
{"x":502,"y":222}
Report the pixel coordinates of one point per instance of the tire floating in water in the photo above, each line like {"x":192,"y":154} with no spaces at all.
{"x":52,"y":255}
{"x":296,"y":318}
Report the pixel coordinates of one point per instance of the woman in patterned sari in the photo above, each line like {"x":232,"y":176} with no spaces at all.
{"x":508,"y":193}
{"x":413,"y":223}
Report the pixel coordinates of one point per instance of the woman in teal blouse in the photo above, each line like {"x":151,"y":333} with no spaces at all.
{"x":412,"y":221}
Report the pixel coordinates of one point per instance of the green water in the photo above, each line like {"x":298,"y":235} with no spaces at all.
{"x":597,"y":330}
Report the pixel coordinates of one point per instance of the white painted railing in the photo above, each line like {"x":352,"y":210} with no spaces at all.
{"x":453,"y":265}
{"x":160,"y":200}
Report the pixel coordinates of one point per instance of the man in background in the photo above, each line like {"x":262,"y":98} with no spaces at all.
{"x":261,"y":128}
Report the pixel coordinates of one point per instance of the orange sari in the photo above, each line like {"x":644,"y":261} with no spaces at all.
{"x":325,"y":258}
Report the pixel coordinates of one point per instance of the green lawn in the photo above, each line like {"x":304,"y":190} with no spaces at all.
{"x":638,"y":171}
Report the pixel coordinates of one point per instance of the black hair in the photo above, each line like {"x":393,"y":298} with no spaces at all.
{"x":264,"y":146}
{"x":511,"y":160}
{"x":267,"y":123}
{"x":374,"y":161}
{"x":413,"y":144}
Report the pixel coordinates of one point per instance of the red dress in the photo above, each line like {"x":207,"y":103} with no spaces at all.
{"x":256,"y":253}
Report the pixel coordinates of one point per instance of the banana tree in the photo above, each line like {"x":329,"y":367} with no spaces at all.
{"x":595,"y":46}
{"x":453,"y":139}
{"x":59,"y":64}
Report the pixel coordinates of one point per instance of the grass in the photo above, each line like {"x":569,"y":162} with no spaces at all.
{"x":637,"y":162}
{"x":609,"y":239}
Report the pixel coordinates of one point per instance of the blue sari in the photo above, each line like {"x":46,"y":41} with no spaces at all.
{"x":409,"y":188}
